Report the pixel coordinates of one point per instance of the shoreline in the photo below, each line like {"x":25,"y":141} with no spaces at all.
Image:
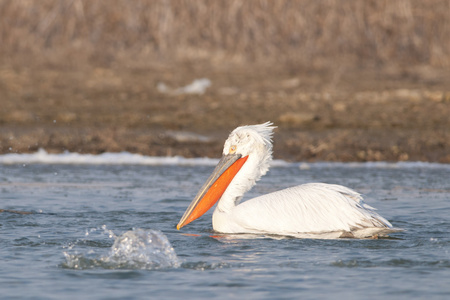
{"x":127,"y":158}
{"x":384,"y":114}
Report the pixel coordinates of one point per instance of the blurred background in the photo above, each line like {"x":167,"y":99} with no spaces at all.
{"x":342,"y":80}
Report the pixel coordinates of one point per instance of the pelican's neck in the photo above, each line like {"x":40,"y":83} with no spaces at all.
{"x":244,"y":180}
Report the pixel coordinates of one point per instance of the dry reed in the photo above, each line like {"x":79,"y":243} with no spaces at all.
{"x":106,"y":31}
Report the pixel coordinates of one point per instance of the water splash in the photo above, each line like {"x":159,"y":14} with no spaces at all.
{"x":142,"y":249}
{"x":135,"y":249}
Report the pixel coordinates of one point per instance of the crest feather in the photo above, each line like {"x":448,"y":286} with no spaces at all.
{"x":264,"y":130}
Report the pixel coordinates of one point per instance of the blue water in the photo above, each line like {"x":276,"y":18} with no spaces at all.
{"x":108,"y":232}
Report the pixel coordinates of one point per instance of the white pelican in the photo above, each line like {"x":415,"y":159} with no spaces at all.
{"x":308,"y":209}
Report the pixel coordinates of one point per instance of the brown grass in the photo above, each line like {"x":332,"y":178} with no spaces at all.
{"x":312,"y":32}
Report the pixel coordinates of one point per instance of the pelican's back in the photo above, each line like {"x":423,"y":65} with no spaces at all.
{"x":307,"y":208}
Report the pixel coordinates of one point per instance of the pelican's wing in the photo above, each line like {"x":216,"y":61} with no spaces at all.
{"x":314,"y":207}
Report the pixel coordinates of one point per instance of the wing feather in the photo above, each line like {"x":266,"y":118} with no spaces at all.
{"x":313,"y":207}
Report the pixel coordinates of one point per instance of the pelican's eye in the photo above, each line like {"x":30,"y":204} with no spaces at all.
{"x":232,"y":149}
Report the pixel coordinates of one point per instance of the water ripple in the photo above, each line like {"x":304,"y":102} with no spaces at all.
{"x":404,"y":263}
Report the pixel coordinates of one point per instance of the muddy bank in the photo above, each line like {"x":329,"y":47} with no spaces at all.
{"x":340,"y":114}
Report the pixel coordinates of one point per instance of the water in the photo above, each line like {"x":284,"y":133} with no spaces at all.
{"x":105,"y":229}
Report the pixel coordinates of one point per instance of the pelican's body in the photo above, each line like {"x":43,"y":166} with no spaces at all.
{"x":314,"y":208}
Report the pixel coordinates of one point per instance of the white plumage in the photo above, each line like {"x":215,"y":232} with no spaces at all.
{"x":312,"y":209}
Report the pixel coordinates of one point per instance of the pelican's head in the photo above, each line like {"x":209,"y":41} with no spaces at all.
{"x":248,"y":139}
{"x":251,"y":145}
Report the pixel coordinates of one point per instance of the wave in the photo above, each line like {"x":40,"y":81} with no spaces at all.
{"x":108,"y":158}
{"x":127,"y":158}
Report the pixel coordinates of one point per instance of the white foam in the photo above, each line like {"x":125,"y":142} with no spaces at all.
{"x":121,"y":158}
{"x":127,"y":158}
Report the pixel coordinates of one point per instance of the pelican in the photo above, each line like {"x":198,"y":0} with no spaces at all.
{"x":307,"y":209}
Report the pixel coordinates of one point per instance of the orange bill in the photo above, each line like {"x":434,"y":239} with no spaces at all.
{"x":213,"y":188}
